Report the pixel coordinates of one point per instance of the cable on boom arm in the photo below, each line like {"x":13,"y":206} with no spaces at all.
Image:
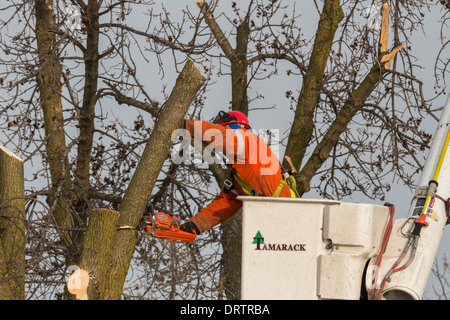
{"x":419,"y":223}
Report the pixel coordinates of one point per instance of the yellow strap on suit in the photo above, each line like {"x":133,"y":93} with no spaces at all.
{"x":249,"y":190}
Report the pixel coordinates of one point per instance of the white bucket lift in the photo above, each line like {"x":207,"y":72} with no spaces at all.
{"x":307,"y":248}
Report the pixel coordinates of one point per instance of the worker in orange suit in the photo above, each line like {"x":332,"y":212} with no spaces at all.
{"x":254,"y":169}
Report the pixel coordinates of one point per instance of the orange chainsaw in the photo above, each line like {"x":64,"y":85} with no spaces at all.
{"x":166,"y":225}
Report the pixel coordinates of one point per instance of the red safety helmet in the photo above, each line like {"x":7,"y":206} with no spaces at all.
{"x":225,"y":118}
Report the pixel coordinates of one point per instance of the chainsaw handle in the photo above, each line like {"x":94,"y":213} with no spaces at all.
{"x":152,"y":214}
{"x":150,"y":208}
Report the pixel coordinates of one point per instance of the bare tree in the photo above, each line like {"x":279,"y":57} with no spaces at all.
{"x":356,"y":121}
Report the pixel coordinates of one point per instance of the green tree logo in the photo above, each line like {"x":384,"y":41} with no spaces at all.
{"x":258,"y":240}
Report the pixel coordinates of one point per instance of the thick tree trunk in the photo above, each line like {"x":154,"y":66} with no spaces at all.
{"x":12,"y":227}
{"x":139,"y":191}
{"x":49,"y":84}
{"x":96,"y":255}
{"x":230,"y":273}
{"x":303,"y":125}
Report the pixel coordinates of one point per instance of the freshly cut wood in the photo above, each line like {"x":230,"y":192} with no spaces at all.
{"x":384,"y":36}
{"x":78,"y":284}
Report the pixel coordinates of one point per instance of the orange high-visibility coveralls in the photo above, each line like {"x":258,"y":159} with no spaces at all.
{"x":252,"y":159}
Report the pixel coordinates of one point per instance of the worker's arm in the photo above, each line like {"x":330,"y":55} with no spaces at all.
{"x":215,"y":136}
{"x":224,"y":206}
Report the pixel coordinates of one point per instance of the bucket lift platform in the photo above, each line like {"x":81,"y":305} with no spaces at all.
{"x":308,"y":248}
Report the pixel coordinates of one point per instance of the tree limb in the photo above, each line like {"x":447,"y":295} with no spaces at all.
{"x":215,"y":29}
{"x":121,"y":98}
{"x":303,"y":124}
{"x":49,"y":84}
{"x":352,"y":105}
{"x":144,"y":178}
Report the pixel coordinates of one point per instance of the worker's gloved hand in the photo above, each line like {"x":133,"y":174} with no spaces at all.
{"x":189,"y":227}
